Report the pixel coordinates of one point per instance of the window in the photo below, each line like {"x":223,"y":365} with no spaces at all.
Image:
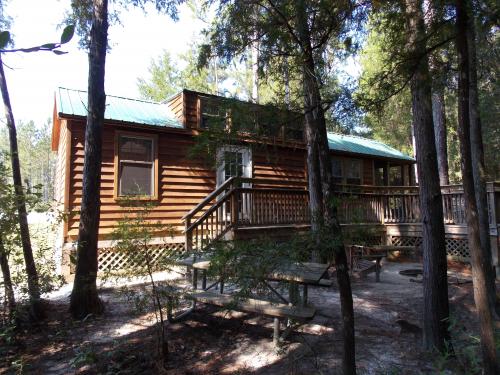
{"x":337,"y":170}
{"x":353,"y":171}
{"x":213,"y":112}
{"x":295,"y":130}
{"x":136,"y":166}
{"x":395,"y":175}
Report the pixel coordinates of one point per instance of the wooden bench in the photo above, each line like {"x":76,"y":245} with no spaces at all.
{"x":261,"y":307}
{"x":363,"y":262}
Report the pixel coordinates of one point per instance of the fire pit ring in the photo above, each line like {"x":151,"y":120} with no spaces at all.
{"x":411,"y":272}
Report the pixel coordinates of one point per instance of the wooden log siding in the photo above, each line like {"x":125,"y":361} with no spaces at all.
{"x":176,"y":105}
{"x":183,"y":182}
{"x":285,"y":167}
{"x":191,"y":110}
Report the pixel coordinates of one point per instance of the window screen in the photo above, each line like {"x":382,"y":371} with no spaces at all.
{"x":337,"y":170}
{"x":136,"y":166}
{"x":353,"y":172}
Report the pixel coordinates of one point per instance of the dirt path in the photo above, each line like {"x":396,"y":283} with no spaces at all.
{"x":211,"y":341}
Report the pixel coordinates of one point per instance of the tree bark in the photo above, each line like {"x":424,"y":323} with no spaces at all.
{"x":7,"y":281}
{"x":439,"y":119}
{"x":84,"y":297}
{"x":435,"y":283}
{"x":36,"y":306}
{"x":479,"y":263}
{"x":438,"y":72}
{"x":321,"y":187}
{"x":478,"y":166}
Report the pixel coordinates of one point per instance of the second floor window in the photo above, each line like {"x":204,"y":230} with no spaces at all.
{"x":212,"y":112}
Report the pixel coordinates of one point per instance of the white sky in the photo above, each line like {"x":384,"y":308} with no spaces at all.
{"x":35,"y":76}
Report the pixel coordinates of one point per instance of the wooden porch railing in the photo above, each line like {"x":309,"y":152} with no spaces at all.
{"x":240,"y":202}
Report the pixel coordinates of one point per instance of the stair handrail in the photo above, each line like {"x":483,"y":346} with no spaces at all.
{"x":210,"y":210}
{"x":209,"y":198}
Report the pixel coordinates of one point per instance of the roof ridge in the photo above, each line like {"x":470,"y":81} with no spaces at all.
{"x":115,"y":96}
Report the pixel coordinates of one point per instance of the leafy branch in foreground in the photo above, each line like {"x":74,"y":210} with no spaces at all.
{"x":66,"y":36}
{"x":133,"y":238}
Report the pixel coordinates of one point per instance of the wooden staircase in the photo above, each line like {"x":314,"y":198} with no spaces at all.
{"x":248,"y":205}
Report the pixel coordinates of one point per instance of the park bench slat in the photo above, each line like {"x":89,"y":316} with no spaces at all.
{"x":262,"y":307}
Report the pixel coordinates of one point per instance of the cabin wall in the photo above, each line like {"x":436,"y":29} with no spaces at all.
{"x":183,"y":182}
{"x":176,"y":105}
{"x":62,"y":174}
{"x":191,"y":109}
{"x":283,"y":165}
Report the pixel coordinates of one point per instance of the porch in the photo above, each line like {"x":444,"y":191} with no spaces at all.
{"x":244,"y":208}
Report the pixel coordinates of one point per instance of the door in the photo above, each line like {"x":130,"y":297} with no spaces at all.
{"x":235,"y":161}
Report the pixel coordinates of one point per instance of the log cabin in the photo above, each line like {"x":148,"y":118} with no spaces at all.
{"x":252,"y":183}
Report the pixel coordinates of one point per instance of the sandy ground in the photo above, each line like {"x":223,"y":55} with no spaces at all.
{"x":211,"y":341}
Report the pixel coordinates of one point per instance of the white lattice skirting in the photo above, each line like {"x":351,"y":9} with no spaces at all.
{"x":111,"y":259}
{"x":457,"y":248}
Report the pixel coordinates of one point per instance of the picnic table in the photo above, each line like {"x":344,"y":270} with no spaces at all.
{"x":294,"y":273}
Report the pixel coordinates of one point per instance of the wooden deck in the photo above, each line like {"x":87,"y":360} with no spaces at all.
{"x":390,"y":215}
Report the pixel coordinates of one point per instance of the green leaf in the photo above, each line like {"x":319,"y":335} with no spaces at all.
{"x":48,"y":45}
{"x":4,"y":39}
{"x":67,"y":34}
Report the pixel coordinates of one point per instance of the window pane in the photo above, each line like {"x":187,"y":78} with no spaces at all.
{"x":136,"y":149}
{"x":353,"y":169}
{"x":213,"y":112}
{"x":136,"y":179}
{"x":337,"y":167}
{"x":233,"y":164}
{"x":395,"y":176}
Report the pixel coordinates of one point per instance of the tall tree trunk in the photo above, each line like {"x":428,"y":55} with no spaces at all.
{"x":439,"y":119}
{"x":478,"y":166}
{"x":7,"y":281}
{"x":479,"y":263}
{"x":36,"y":306}
{"x":255,"y":72}
{"x":286,"y":78}
{"x":317,"y":143}
{"x":435,"y":284}
{"x":438,"y":72}
{"x":84,"y":297}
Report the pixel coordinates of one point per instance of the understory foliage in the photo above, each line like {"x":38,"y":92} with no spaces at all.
{"x":36,"y":158}
{"x":42,"y":236}
{"x":132,"y":239}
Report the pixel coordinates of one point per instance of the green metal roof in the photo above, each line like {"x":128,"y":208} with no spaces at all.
{"x":365,"y":146}
{"x":74,"y":103}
